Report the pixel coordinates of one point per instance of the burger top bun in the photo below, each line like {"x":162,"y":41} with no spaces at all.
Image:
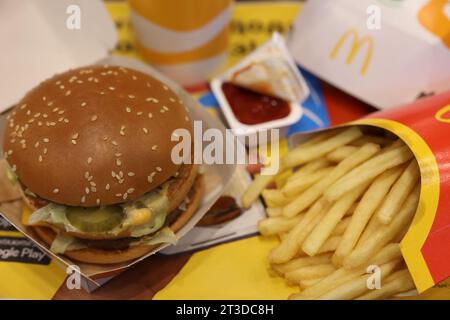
{"x":94,"y":136}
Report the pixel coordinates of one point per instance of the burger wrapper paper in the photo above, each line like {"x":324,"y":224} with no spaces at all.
{"x":216,"y":177}
{"x":425,"y":127}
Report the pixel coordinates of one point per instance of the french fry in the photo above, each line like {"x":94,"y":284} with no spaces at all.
{"x":304,"y":200}
{"x":341,"y":153}
{"x":274,"y":211}
{"x":341,"y":227}
{"x":299,"y":185}
{"x":399,"y":192}
{"x":384,"y":233}
{"x":301,"y":262}
{"x":289,"y":247}
{"x":382,"y":141}
{"x":259,"y":183}
{"x":309,"y":272}
{"x":368,"y":170}
{"x":358,"y":286}
{"x":308,"y":282}
{"x":330,"y":245}
{"x":309,"y":168}
{"x":342,"y":275}
{"x":300,"y":156}
{"x":275,"y":198}
{"x":272,"y":226}
{"x":397,"y":282}
{"x":364,"y":211}
{"x":323,"y":230}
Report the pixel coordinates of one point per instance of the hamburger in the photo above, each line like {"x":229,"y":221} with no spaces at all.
{"x":91,"y":149}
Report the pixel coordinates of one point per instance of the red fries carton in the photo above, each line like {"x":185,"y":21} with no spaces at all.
{"x":425,"y":127}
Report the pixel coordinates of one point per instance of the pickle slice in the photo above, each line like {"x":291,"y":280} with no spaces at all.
{"x":95,"y":219}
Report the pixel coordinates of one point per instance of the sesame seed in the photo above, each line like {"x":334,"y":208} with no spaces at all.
{"x":23,"y":106}
{"x":131,"y":174}
{"x":165,"y":87}
{"x":45,"y":115}
{"x":165,"y":108}
{"x":10,"y":152}
{"x":56,"y":190}
{"x":113,"y":174}
{"x":40,"y":158}
{"x":111,"y":88}
{"x":131,"y":96}
{"x":58,"y":82}
{"x":36,"y":144}
{"x":158,"y":169}
{"x":150,"y":179}
{"x":96,"y":80}
{"x":50,"y":103}
{"x":151,"y":99}
{"x":172,"y":100}
{"x":83,"y":199}
{"x":68,"y":92}
{"x":145,"y":130}
{"x":139,"y":113}
{"x":55,"y":109}
{"x":75,"y":136}
{"x":46,"y":140}
{"x":134,"y":77}
{"x":74,"y":141}
{"x":118,"y":162}
{"x":105,"y":138}
{"x":107,"y":187}
{"x":150,"y":115}
{"x":92,"y":183}
{"x":119,"y":195}
{"x":131,"y":190}
{"x":89,"y":160}
{"x":97,"y":201}
{"x":61,"y":87}
{"x":86,"y":174}
{"x":66,"y":120}
{"x":94,"y":117}
{"x":86,"y":190}
{"x":148,"y":85}
{"x":121,"y":174}
{"x":40,"y":123}
{"x":93,"y":189}
{"x":83,"y":104}
{"x":162,"y":110}
{"x":60,"y":119}
{"x":186,"y":118}
{"x":44,"y":98}
{"x":128,"y":109}
{"x":37,"y":115}
{"x":118,"y":154}
{"x":79,"y":81}
{"x":45,"y":151}
{"x":28,"y":112}
{"x":102,"y":92}
{"x":61,"y":112}
{"x":125,"y":195}
{"x":154,"y":147}
{"x":114,"y":143}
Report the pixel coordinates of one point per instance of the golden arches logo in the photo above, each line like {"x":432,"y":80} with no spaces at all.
{"x":357,"y":44}
{"x":440,"y":115}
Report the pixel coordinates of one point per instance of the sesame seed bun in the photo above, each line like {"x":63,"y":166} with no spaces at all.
{"x":94,"y":136}
{"x":102,"y":256}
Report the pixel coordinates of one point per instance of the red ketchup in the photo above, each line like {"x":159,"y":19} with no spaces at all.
{"x":251,"y":107}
